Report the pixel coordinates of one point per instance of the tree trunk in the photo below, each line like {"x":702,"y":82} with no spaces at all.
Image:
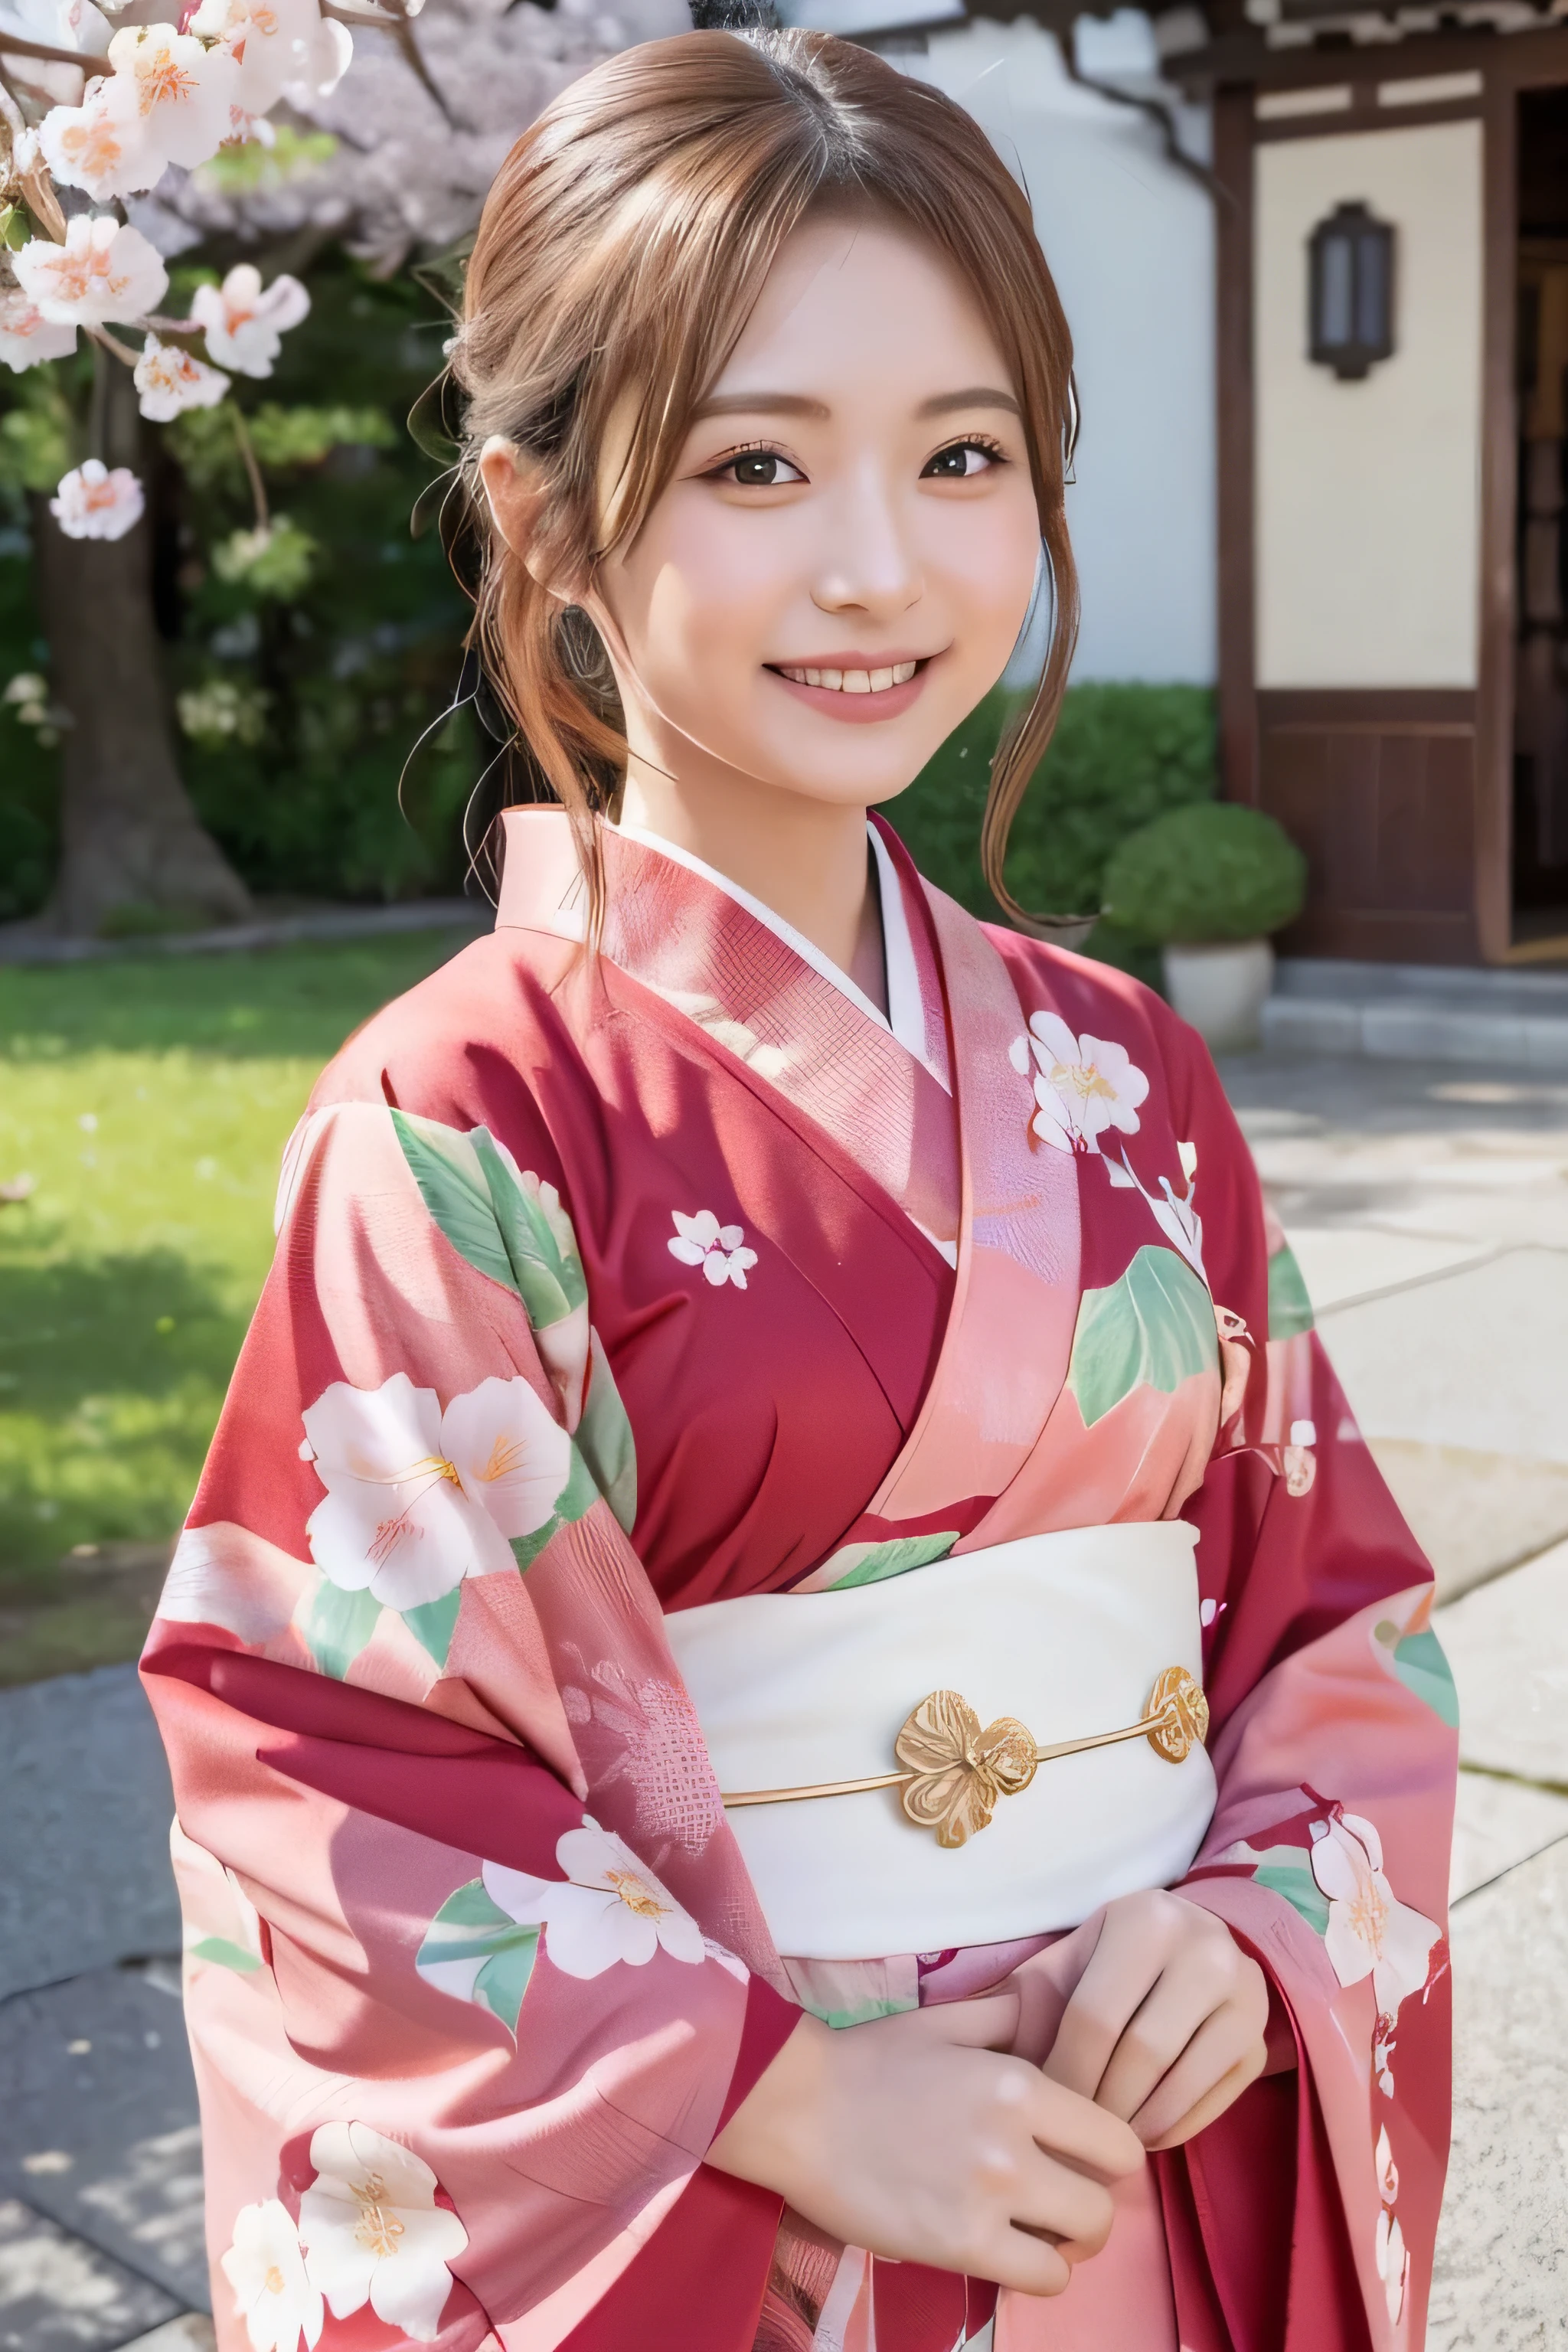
{"x":130,"y":838}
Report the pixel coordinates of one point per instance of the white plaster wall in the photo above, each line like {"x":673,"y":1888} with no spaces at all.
{"x":1368,"y":494}
{"x":1131,"y":242}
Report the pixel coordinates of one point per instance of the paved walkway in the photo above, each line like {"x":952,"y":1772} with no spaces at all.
{"x":1429,"y":1210}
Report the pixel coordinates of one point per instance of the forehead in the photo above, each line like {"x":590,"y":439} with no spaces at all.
{"x":855,"y":307}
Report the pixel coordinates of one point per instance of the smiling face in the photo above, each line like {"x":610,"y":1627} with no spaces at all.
{"x":840,"y":565}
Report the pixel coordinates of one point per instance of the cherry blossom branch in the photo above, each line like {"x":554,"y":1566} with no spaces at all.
{"x":248,"y":452}
{"x":413,"y":55}
{"x":12,"y":45}
{"x":112,"y":343}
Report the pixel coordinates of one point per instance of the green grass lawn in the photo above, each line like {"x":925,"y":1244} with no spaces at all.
{"x":149,"y":1100}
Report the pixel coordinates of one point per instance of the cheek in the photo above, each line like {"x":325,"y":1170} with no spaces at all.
{"x":991,"y":564}
{"x":708,"y":604}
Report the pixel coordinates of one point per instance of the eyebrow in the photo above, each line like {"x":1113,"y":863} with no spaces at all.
{"x":796,"y":404}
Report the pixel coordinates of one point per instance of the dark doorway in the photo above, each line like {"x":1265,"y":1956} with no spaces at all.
{"x":1541,"y":695}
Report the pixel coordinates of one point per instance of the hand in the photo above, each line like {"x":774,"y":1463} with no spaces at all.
{"x":912,"y":2136}
{"x":1166,"y":2023}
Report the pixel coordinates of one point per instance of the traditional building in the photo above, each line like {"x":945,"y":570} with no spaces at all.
{"x":1322,"y":300}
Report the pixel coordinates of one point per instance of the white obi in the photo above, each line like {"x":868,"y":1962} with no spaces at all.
{"x":1069,"y":1634}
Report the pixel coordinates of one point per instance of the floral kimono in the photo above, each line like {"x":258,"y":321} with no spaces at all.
{"x":610,"y":1285}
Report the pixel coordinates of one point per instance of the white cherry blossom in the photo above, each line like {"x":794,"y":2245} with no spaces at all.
{"x":418,"y":1498}
{"x":718,"y":1249}
{"x":267,"y":2270}
{"x":27,"y":336}
{"x":373,"y":2232}
{"x":245,"y":322}
{"x":1082,"y":1086}
{"x":178,"y":92}
{"x":1393,"y":2264}
{"x":1387,"y":2170}
{"x":104,"y":271}
{"x":610,"y":1908}
{"x":97,"y":146}
{"x":275,"y":43}
{"x":1369,"y":1933}
{"x":94,"y":502}
{"x":170,"y":381}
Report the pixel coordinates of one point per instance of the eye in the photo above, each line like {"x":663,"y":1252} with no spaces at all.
{"x":757,"y":470}
{"x":960,"y":459}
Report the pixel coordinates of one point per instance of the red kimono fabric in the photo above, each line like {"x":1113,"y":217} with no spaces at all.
{"x":610,"y":1285}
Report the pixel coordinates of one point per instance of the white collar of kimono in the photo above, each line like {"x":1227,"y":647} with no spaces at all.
{"x":905,"y":1016}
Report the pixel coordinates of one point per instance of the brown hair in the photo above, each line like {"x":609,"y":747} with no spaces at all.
{"x":623,"y":246}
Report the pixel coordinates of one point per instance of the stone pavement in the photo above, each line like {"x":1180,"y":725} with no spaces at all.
{"x":1428,"y":1207}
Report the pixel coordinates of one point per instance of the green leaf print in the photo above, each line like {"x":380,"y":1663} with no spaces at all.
{"x":338,"y":1625}
{"x":1290,"y":1308}
{"x":536,"y":1234}
{"x":603,"y":1438}
{"x":225,"y":1955}
{"x":870,"y":1563}
{"x":1154,"y":1328}
{"x":1419,"y":1663}
{"x":444,"y":1166}
{"x":433,"y":1624}
{"x":476,"y":1951}
{"x":1288,"y":1871}
{"x":574,"y":1501}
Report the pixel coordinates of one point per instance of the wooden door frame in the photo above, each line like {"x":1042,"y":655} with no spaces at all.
{"x":1508,"y":65}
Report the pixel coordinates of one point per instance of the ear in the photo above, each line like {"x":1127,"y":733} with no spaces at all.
{"x":515,"y":492}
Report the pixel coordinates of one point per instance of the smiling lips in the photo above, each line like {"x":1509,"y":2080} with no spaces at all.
{"x":852,"y":681}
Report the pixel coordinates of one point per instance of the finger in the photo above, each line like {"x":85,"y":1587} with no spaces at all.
{"x":1222,"y":2042}
{"x":1025,"y":2260}
{"x":1045,"y":1984}
{"x":1125,"y":1965}
{"x":1063,"y":2205}
{"x":990,"y":2021}
{"x":1071,"y":2128}
{"x":1157,"y":2034}
{"x":1224,"y":2094}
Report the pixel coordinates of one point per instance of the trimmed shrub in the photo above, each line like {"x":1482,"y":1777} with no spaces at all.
{"x":1122,"y":754}
{"x":1206,"y":874}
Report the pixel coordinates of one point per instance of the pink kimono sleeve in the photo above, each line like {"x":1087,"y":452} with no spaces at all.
{"x":462,"y":2040}
{"x":1305,"y":2219}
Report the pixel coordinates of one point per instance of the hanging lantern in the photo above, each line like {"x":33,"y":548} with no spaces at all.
{"x":1350,"y":324}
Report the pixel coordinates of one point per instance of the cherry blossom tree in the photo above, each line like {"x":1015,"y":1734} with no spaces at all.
{"x":127,"y":142}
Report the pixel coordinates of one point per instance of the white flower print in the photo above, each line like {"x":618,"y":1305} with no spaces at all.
{"x":373,"y":2232}
{"x":418,"y":1498}
{"x":1082,"y":1086}
{"x":1393,"y":2264}
{"x":1387,"y":2170}
{"x":611,"y":1906}
{"x":1177,"y":1219}
{"x":267,"y":2270}
{"x":718,"y":1249}
{"x":1369,"y":1933}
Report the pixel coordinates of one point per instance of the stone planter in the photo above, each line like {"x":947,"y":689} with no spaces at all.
{"x":1221,"y":988}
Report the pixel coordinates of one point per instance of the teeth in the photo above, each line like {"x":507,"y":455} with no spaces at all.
{"x":853,"y":681}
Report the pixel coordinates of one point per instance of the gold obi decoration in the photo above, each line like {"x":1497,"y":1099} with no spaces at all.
{"x":955,"y":1774}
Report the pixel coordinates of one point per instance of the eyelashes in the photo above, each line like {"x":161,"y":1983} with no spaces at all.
{"x":762,"y":465}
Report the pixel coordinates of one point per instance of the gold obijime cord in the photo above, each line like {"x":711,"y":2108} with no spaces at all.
{"x":955,"y":1773}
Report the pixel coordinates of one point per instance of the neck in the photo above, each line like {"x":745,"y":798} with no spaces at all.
{"x":805,"y":859}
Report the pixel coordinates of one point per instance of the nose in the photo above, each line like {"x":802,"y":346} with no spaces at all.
{"x":869,"y":562}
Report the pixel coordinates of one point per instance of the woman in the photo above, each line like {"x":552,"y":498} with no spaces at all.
{"x":687,"y":1675}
